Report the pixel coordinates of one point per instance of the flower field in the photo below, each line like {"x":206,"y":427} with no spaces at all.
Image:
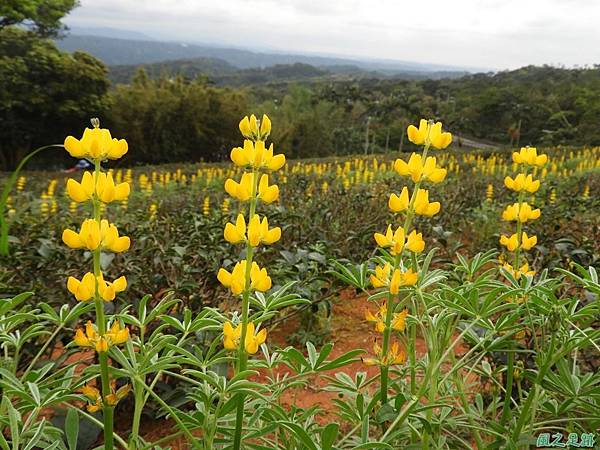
{"x":198,"y":299}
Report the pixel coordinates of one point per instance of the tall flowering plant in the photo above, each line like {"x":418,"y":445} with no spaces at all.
{"x":401,"y":243}
{"x":97,"y":235}
{"x":522,"y":213}
{"x":249,"y":230}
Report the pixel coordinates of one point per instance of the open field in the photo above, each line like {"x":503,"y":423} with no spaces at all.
{"x":328,"y":210}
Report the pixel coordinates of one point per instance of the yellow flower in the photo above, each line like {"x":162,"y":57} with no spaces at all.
{"x":419,"y":171}
{"x":522,"y":213}
{"x":512,"y":243}
{"x":266,"y":193}
{"x":429,"y":133}
{"x":82,"y":290}
{"x":232,"y":336}
{"x":522,"y":183}
{"x":529,"y":156}
{"x":242,"y":190}
{"x":103,"y":186}
{"x":94,"y":235}
{"x":408,"y":278}
{"x":381,"y":278}
{"x":423,"y":207}
{"x":117,"y":335}
{"x":398,"y":319}
{"x":236,"y":234}
{"x":258,"y":231}
{"x":265,"y":126}
{"x":399,"y":204}
{"x":395,"y":239}
{"x":249,"y":127}
{"x":96,"y":143}
{"x":527,"y":243}
{"x":91,"y":393}
{"x":415,"y":242}
{"x":395,"y":356}
{"x":524,"y":270}
{"x":235,"y":281}
{"x":257,"y":156}
{"x":108,"y":290}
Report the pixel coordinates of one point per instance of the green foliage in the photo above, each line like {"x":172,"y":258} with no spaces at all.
{"x":192,"y":119}
{"x":40,"y":16}
{"x":45,"y":92}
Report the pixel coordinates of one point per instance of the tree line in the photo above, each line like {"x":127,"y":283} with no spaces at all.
{"x":46,"y":94}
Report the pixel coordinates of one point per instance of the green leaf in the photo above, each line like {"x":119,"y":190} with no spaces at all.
{"x":72,"y":428}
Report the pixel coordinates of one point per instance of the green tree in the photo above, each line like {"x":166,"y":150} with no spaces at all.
{"x":39,"y":16}
{"x":46,"y":94}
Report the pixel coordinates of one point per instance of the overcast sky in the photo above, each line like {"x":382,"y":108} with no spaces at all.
{"x":495,"y":34}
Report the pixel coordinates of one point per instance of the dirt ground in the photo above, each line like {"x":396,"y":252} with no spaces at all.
{"x":349,"y":331}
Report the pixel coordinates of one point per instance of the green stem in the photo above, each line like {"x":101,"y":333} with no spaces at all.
{"x":193,"y":441}
{"x":509,"y":384}
{"x":242,"y":355}
{"x":42,"y":350}
{"x":107,"y":411}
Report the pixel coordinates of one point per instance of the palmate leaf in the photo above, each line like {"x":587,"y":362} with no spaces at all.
{"x":354,"y":275}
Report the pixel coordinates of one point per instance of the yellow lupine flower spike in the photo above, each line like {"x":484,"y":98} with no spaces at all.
{"x":96,"y":143}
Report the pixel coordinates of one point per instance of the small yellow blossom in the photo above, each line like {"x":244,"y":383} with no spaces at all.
{"x":399,"y":203}
{"x":395,"y":239}
{"x":522,"y":183}
{"x":257,"y":156}
{"x":96,"y":143}
{"x":94,"y":235}
{"x":101,"y":343}
{"x":423,"y":207}
{"x":102,"y":186}
{"x":529,"y":156}
{"x":235,"y":281}
{"x":257,"y":231}
{"x":232,"y":336}
{"x":512,"y":242}
{"x":395,"y":356}
{"x":429,"y":133}
{"x":419,"y":171}
{"x":523,"y":213}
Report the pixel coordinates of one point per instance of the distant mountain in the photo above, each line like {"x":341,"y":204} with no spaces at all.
{"x":108,"y":32}
{"x":116,"y":51}
{"x":221,"y":72}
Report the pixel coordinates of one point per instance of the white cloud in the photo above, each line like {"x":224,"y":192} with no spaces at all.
{"x":483,"y":33}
